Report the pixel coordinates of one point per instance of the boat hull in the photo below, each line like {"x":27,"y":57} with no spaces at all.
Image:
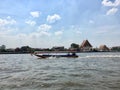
{"x":57,"y":56}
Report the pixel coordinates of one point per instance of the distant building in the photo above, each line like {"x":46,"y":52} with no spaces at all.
{"x":104,"y":48}
{"x":2,"y":47}
{"x":86,"y":46}
{"x":10,"y":50}
{"x":115,"y":49}
{"x":74,"y":47}
{"x":58,"y":48}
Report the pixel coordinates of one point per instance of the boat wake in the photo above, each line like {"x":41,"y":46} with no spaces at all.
{"x":56,"y":58}
{"x":103,"y":56}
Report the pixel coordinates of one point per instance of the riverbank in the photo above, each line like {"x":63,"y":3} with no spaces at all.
{"x":14,"y":53}
{"x":53,"y":52}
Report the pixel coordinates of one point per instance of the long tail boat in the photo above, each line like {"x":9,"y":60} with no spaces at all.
{"x":56,"y":54}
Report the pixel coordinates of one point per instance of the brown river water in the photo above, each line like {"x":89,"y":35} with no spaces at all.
{"x":90,"y":71}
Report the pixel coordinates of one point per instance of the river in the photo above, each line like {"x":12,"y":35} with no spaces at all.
{"x":90,"y":71}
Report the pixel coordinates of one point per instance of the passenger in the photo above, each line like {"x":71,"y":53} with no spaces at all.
{"x":73,"y":54}
{"x":68,"y":54}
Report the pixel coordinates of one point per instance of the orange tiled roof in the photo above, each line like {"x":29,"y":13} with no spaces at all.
{"x":103,"y":47}
{"x":85,"y":43}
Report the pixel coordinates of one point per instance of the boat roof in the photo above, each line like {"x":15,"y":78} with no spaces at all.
{"x":55,"y":52}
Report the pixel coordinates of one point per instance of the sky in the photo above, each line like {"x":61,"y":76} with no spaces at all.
{"x":48,"y":23}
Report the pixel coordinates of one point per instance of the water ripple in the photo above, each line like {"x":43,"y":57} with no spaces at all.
{"x":91,"y":71}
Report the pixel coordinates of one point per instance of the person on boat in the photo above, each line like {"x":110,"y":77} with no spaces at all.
{"x":73,"y":53}
{"x":68,"y":54}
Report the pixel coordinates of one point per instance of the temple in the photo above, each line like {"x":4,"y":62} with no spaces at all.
{"x":85,"y":46}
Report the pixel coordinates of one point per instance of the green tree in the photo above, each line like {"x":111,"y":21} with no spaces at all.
{"x":26,"y":49}
{"x":74,"y":45}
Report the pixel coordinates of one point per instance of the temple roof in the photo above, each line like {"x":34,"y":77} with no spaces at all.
{"x":103,"y":47}
{"x":85,"y":43}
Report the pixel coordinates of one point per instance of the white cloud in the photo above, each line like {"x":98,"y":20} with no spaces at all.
{"x":114,"y":6}
{"x":32,"y":23}
{"x":53,"y":18}
{"x":8,"y":30}
{"x":32,"y":39}
{"x":44,"y":33}
{"x":102,"y":31}
{"x":35,"y":14}
{"x":112,"y":11}
{"x":5,"y":26}
{"x":44,"y":27}
{"x":58,"y":33}
{"x":106,"y":29}
{"x":91,"y":21}
{"x":78,"y":32}
{"x":4,"y":22}
{"x":6,"y":34}
{"x":8,"y":17}
{"x":110,"y":3}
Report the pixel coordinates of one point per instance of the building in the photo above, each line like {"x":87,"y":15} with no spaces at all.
{"x":74,"y":47}
{"x":2,"y":47}
{"x":103,"y":48}
{"x":58,"y":48}
{"x":85,"y":46}
{"x":115,"y":48}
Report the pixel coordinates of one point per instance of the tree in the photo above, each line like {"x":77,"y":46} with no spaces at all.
{"x":74,"y":45}
{"x":3,"y":48}
{"x":25,"y":49}
{"x":17,"y":49}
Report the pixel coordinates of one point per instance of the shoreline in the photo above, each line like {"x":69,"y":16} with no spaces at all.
{"x":13,"y":53}
{"x":58,"y":52}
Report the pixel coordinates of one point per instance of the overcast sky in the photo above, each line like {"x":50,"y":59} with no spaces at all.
{"x":47,"y":23}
